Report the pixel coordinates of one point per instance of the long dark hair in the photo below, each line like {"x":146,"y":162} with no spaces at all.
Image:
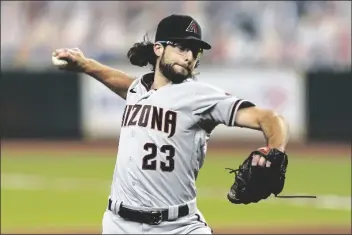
{"x":142,"y":53}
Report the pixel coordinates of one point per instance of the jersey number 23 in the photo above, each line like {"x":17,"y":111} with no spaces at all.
{"x":149,"y":162}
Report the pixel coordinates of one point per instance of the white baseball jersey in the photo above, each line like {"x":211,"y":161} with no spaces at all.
{"x":163,"y":140}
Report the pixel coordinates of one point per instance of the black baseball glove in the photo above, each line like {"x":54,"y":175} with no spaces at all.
{"x":255,"y":183}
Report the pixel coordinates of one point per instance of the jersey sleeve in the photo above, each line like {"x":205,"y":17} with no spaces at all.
{"x":214,"y":105}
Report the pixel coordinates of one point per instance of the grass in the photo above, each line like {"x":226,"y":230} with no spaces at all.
{"x":52,"y":205}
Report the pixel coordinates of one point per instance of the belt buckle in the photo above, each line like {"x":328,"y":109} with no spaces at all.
{"x":155,"y":217}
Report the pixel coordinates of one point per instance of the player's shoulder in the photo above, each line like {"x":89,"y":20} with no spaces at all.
{"x":201,"y":88}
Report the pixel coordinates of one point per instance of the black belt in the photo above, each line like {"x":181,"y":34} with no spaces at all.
{"x":148,"y":217}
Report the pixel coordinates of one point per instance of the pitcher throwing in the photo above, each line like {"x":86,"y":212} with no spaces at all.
{"x":167,"y":121}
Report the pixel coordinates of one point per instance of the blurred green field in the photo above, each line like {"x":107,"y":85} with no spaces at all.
{"x":39,"y":191}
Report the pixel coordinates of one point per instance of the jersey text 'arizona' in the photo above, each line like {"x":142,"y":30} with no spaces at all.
{"x":150,"y":116}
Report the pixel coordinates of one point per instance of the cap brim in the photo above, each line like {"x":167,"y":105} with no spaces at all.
{"x":202,"y":44}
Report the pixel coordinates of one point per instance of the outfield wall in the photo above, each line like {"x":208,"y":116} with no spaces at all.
{"x":40,"y":104}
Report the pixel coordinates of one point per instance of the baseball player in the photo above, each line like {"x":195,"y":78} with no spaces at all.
{"x":166,"y":123}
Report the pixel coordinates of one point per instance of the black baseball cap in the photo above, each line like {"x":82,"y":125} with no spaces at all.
{"x":180,"y":28}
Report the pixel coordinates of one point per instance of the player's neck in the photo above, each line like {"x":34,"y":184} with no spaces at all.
{"x":159,"y":80}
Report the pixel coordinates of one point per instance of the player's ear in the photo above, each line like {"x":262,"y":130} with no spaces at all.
{"x":158,"y":49}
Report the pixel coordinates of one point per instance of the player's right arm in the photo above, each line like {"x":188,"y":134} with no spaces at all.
{"x":114,"y":79}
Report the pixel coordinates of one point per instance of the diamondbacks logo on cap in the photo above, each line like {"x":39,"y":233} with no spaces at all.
{"x":192,"y":27}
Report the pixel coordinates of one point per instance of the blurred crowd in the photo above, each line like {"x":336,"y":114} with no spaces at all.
{"x":300,"y":34}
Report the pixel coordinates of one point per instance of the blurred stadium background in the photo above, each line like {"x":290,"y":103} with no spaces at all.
{"x":59,"y":130}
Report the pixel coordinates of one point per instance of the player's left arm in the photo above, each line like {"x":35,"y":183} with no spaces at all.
{"x":274,"y":127}
{"x":219,"y":107}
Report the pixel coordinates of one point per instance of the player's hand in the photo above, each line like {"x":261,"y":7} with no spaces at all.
{"x":76,"y":61}
{"x":260,"y":161}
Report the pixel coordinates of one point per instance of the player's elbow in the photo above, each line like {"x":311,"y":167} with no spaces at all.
{"x":271,"y":118}
{"x":281,"y":121}
{"x":272,"y":123}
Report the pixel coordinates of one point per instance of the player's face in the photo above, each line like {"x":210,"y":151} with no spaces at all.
{"x":178,"y":61}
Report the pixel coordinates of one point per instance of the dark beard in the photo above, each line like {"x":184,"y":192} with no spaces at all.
{"x":171,"y":74}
